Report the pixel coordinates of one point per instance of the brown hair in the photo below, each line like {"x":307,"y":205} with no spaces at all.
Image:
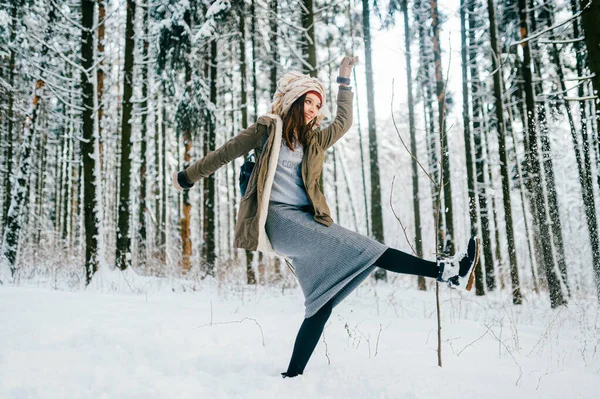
{"x":295,"y":128}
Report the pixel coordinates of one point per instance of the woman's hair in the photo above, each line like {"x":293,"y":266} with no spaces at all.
{"x":295,"y":126}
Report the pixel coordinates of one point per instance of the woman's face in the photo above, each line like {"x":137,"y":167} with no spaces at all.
{"x":312,"y":105}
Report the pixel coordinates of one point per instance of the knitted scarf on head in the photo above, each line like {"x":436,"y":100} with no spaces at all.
{"x":290,"y":87}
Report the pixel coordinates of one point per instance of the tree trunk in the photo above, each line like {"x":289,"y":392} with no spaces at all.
{"x":534,"y":167}
{"x":309,"y":49}
{"x":274,"y":48}
{"x":250,"y":275}
{"x":432,"y":152}
{"x":475,"y":21}
{"x":467,"y":137}
{"x":555,"y":223}
{"x":500,"y":125}
{"x":210,"y":197}
{"x":11,"y":112}
{"x":123,"y":256}
{"x":254,"y":61}
{"x":591,"y":29}
{"x":19,"y":192}
{"x":440,"y":90}
{"x":413,"y":145}
{"x":144,"y":137}
{"x":376,"y":207}
{"x":185,"y":221}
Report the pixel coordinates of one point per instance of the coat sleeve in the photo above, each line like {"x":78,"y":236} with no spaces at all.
{"x":237,"y":146}
{"x":343,"y":119}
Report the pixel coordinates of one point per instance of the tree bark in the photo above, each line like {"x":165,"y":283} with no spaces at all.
{"x":475,"y":20}
{"x":440,"y":90}
{"x":467,"y":137}
{"x":11,"y":112}
{"x":143,"y":209}
{"x":185,"y":221}
{"x":123,"y":256}
{"x":413,"y":144}
{"x":500,"y":125}
{"x":376,"y":207}
{"x":591,"y":29}
{"x":534,"y":167}
{"x":309,"y":49}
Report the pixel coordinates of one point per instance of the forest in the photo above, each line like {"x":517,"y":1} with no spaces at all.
{"x":493,"y":132}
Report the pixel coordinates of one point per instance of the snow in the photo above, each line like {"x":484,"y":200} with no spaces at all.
{"x":146,"y":338}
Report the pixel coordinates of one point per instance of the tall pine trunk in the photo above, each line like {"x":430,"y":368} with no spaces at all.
{"x":501,"y":127}
{"x":472,"y":190}
{"x":123,"y":256}
{"x":477,"y":93}
{"x":413,"y":144}
{"x":440,"y":90}
{"x":309,"y":49}
{"x":591,"y":29}
{"x":10,"y":116}
{"x":250,"y":275}
{"x":376,"y":207}
{"x":555,"y":223}
{"x":186,"y":219}
{"x":534,"y":167}
{"x":143,"y":209}
{"x":209,"y":182}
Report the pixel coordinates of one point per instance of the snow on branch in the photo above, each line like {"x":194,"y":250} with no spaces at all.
{"x":579,"y":39}
{"x":215,"y":12}
{"x":548,"y":29}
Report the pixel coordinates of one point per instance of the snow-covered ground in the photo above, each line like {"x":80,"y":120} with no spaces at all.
{"x":233,"y":341}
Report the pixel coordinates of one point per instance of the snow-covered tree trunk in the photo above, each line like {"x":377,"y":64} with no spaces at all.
{"x":591,"y":28}
{"x":534,"y":166}
{"x":123,"y":255}
{"x":376,"y":206}
{"x":144,"y":105}
{"x":413,"y":142}
{"x":501,"y":130}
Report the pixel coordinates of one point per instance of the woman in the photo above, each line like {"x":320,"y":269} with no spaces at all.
{"x":284,"y":210}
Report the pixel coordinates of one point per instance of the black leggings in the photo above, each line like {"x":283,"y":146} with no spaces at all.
{"x":312,"y":327}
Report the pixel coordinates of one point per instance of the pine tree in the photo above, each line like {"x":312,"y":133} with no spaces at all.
{"x":376,"y":207}
{"x":123,"y":255}
{"x":501,"y":128}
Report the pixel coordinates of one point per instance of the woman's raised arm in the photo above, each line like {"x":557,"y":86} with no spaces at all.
{"x":237,"y":146}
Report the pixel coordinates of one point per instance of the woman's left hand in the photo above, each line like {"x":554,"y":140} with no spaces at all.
{"x":347,"y":65}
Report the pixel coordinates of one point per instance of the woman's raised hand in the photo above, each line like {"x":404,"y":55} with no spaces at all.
{"x":347,"y":65}
{"x":176,"y":183}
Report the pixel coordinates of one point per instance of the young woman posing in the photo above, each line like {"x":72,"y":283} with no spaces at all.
{"x":284,"y":210}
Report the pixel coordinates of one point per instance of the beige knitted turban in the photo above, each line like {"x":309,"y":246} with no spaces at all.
{"x":290,"y":87}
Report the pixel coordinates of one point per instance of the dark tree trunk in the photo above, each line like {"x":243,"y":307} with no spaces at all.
{"x":123,"y":258}
{"x":143,"y":210}
{"x":555,"y":223}
{"x":476,"y":93}
{"x":440,"y":90}
{"x":186,"y":220}
{"x":413,"y":144}
{"x":421,"y":14}
{"x":376,"y":207}
{"x":10,"y":140}
{"x":500,"y":125}
{"x":209,"y":190}
{"x":309,"y":49}
{"x":275,"y":48}
{"x":591,"y":29}
{"x":467,"y":137}
{"x":250,"y":275}
{"x":534,"y":167}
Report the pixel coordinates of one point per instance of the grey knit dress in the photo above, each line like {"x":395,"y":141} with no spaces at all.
{"x":329,"y":262}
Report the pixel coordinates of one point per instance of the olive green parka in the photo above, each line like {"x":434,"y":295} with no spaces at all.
{"x":250,"y":230}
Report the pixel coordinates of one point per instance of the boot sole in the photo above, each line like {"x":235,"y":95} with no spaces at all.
{"x":472,"y":276}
